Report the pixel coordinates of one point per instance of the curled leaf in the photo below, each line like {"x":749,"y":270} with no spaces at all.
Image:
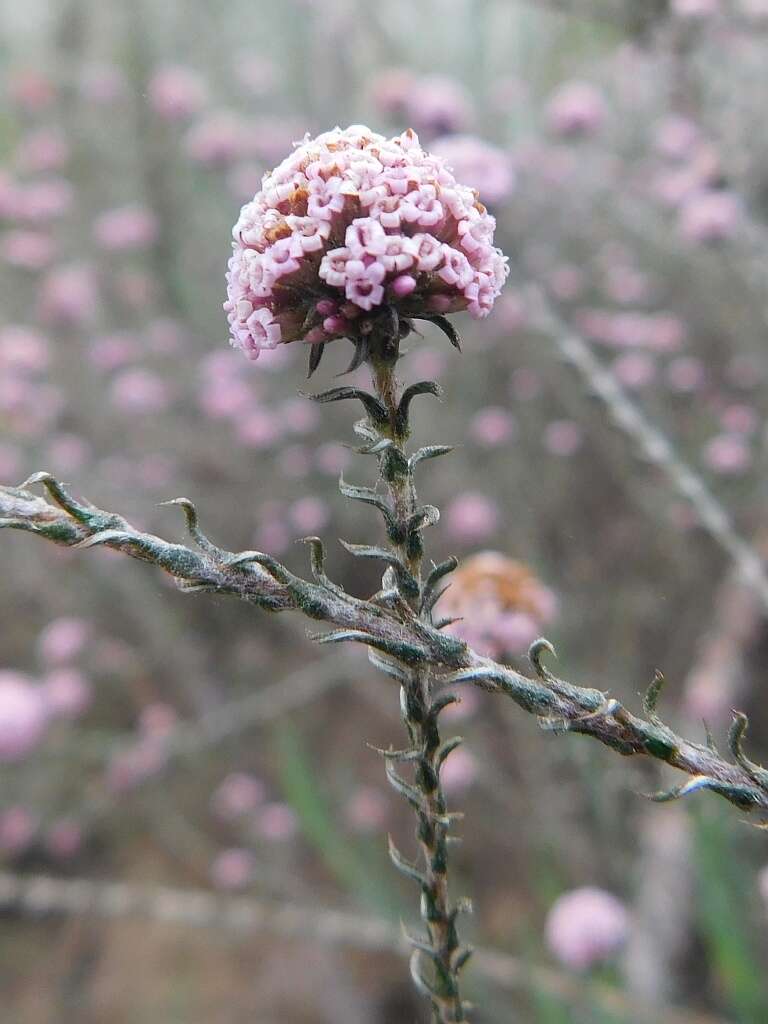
{"x":535,"y":652}
{"x":652,"y":694}
{"x":422,"y":387}
{"x":372,"y":405}
{"x":315,"y":355}
{"x":446,"y":327}
{"x":190,"y":514}
{"x":432,"y":451}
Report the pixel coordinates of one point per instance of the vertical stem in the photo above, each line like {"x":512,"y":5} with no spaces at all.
{"x":420,"y":714}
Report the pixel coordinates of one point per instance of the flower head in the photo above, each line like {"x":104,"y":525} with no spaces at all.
{"x":500,"y":604}
{"x":350,"y":225}
{"x":586,"y":926}
{"x":23,"y":716}
{"x":576,"y":109}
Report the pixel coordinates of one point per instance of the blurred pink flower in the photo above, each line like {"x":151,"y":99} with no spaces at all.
{"x":511,"y":314}
{"x":426,"y":363}
{"x":10,"y":463}
{"x":135,"y":287}
{"x":23,"y":716}
{"x":675,"y":136}
{"x":157,"y":720}
{"x":138,"y":391}
{"x":23,"y":348}
{"x":257,"y":72}
{"x":500,"y":605}
{"x":466,"y":706}
{"x":625,"y":284}
{"x":131,"y":766}
{"x":68,"y":296}
{"x":566,"y":282}
{"x":659,"y":332}
{"x":155,"y":470}
{"x":126,"y":228}
{"x":43,"y":201}
{"x":332,"y":458}
{"x":268,"y":137}
{"x":233,"y":869}
{"x":492,"y":426}
{"x":258,"y":428}
{"x":686,"y":374}
{"x":562,"y":437}
{"x":728,"y":454}
{"x":667,"y":332}
{"x":68,"y":452}
{"x":695,"y":8}
{"x":28,"y":250}
{"x":175,"y":92}
{"x":45,"y":149}
{"x":31,"y":89}
{"x":278,"y":822}
{"x":740,"y":419}
{"x":479,"y":164}
{"x":111,"y":351}
{"x":273,"y":536}
{"x":237,"y":795}
{"x":64,"y":839}
{"x":299,"y":416}
{"x":706,"y":699}
{"x":391,"y":89}
{"x":295,"y":461}
{"x":165,"y":336}
{"x":525,"y":384}
{"x":471,"y":517}
{"x":229,"y":399}
{"x":586,"y":926}
{"x":459,"y":772}
{"x":710,"y":216}
{"x":367,"y":809}
{"x":437,"y":105}
{"x":762,"y":877}
{"x":63,"y":640}
{"x":102,"y":83}
{"x":244,"y":180}
{"x":67,"y":692}
{"x":17,"y":830}
{"x":576,"y":109}
{"x":216,"y":140}
{"x":744,"y":372}
{"x":634,"y":370}
{"x":309,"y":514}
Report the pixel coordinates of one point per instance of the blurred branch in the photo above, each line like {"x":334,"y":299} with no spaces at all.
{"x":295,"y":690}
{"x":653,"y":445}
{"x":38,"y":896}
{"x":189,"y":739}
{"x":624,"y":14}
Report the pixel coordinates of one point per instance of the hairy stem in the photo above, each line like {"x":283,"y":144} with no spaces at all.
{"x":440,"y":982}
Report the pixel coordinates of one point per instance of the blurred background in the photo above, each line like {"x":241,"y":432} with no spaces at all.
{"x":199,"y":773}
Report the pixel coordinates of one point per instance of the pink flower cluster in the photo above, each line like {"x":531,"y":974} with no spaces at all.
{"x":585,"y":927}
{"x":24,"y":716}
{"x":349,"y":223}
{"x":480,"y":164}
{"x":576,"y":109}
{"x":500,"y":605}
